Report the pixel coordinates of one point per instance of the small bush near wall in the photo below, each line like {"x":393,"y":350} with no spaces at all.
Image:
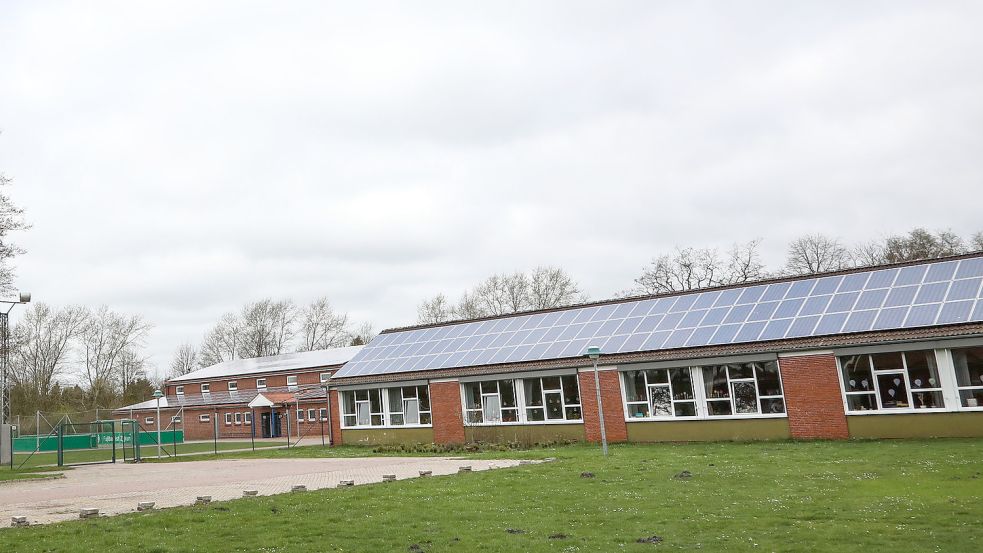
{"x":475,"y":447}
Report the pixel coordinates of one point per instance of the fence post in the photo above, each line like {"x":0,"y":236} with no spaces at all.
{"x":286,"y":415}
{"x":114,"y":443}
{"x":174,"y":439}
{"x":215,"y":433}
{"x":61,"y":451}
{"x":252,"y":428}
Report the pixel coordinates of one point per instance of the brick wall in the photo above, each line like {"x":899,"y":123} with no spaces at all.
{"x":445,"y":405}
{"x":614,"y":415}
{"x":336,"y":417}
{"x":812,"y":397}
{"x":249,"y":382}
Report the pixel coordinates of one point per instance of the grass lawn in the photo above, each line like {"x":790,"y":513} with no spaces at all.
{"x":147,"y":451}
{"x":780,"y":496}
{"x":7,"y":475}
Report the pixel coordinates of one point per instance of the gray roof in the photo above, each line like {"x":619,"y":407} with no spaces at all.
{"x":275,"y":363}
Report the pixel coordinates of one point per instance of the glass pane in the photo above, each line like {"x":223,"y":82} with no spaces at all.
{"x":489,"y":387}
{"x":348,"y":402}
{"x":396,"y":420}
{"x":661,"y":401}
{"x":685,"y":409}
{"x":349,"y":420}
{"x":534,"y":392}
{"x":472,"y":395}
{"x":744,"y":370}
{"x":573,"y":414}
{"x":375,"y":397}
{"x":554,"y":406}
{"x":638,"y":410}
{"x":856,"y":373}
{"x":474,"y":417}
{"x":969,"y":366}
{"x":363,"y":414}
{"x":506,"y":389}
{"x":922,"y":372}
{"x":682,"y":384}
{"x":894,"y":393}
{"x":715,"y":381}
{"x":719,"y":407}
{"x":551,"y":383}
{"x":395,"y":400}
{"x":571,"y":391}
{"x":408,"y":392}
{"x":970,"y":398}
{"x":774,"y":405}
{"x":927,"y":400}
{"x":510,"y":415}
{"x":745,"y":397}
{"x":424,"y":394}
{"x":861,"y":402}
{"x":887,"y":361}
{"x":657,"y":376}
{"x":362,"y":395}
{"x":535,"y":414}
{"x":411,"y":410}
{"x":634,"y":386}
{"x":491,"y":409}
{"x":376,"y":420}
{"x":424,"y":418}
{"x":769,"y":382}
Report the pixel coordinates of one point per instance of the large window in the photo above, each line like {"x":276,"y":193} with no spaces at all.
{"x":728,"y":390}
{"x":397,"y":406}
{"x":968,"y":363}
{"x":894,"y":380}
{"x":523,"y":400}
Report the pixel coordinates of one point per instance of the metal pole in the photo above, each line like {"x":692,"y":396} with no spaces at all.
{"x":252,"y":428}
{"x":327,"y":402}
{"x":600,"y":410}
{"x":158,"y":428}
{"x":37,"y":429}
{"x":215,"y":434}
{"x":4,"y":364}
{"x":286,"y":411}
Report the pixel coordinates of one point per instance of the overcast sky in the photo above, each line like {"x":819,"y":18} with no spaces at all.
{"x":179,"y":159}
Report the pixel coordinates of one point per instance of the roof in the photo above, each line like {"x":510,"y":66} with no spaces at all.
{"x":278,"y":394}
{"x":275,"y":363}
{"x":886,"y":298}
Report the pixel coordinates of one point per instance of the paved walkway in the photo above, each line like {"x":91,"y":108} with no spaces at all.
{"x":116,"y":489}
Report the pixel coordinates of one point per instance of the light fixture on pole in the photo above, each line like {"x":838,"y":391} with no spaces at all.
{"x":157,"y":396}
{"x":22,"y":297}
{"x":594,"y":352}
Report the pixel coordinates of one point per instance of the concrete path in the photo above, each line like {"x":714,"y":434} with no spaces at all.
{"x":116,"y":489}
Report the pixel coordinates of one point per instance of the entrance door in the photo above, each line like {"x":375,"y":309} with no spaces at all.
{"x":265,"y":424}
{"x":276,"y":425}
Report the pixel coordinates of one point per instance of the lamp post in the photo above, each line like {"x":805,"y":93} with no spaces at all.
{"x":157,"y":396}
{"x":594,"y":352}
{"x":23,"y":297}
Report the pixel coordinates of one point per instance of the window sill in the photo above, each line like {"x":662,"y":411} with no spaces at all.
{"x":701,"y":419}
{"x":387,"y":427}
{"x":908,"y":411}
{"x":527,"y":423}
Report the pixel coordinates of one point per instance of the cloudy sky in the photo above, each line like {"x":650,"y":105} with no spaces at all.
{"x":178,"y":159}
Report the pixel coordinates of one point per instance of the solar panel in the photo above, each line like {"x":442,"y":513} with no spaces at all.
{"x":944,"y":292}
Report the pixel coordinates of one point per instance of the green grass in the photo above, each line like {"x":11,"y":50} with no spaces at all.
{"x":861,"y":496}
{"x":147,"y":451}
{"x":7,"y":475}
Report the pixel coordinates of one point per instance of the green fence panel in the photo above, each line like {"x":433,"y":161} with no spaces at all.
{"x":27,"y":444}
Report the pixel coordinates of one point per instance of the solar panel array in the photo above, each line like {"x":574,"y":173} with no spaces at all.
{"x":896,"y":298}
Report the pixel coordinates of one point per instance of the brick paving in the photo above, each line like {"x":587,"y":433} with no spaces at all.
{"x":116,"y":489}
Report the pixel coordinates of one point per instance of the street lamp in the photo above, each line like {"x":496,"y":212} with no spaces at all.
{"x":157,"y":396}
{"x":22,"y":297}
{"x":594,"y":352}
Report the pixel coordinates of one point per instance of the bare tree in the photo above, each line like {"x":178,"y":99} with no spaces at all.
{"x":692,"y":268}
{"x":268,"y":327}
{"x":107,"y":338}
{"x":468,"y":307}
{"x":362,"y":335}
{"x":976,"y":242}
{"x":918,"y":244}
{"x":41,"y":345}
{"x":321,"y":327}
{"x":185,"y":360}
{"x":503,"y":294}
{"x":224,"y":342}
{"x":433,"y":310}
{"x":552,"y":287}
{"x":11,"y":219}
{"x":130,"y":368}
{"x":816,"y":253}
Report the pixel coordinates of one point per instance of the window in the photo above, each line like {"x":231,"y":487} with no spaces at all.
{"x":743,"y":389}
{"x":398,"y":406}
{"x":206,"y":388}
{"x":550,"y":398}
{"x":233,"y":386}
{"x":179,"y":390}
{"x":324,"y":377}
{"x":323,"y":412}
{"x":300,"y":415}
{"x":148,"y":420}
{"x":238,"y":418}
{"x":291,"y":381}
{"x":204,"y":418}
{"x":895,"y":380}
{"x":228,"y":418}
{"x":311,"y":415}
{"x":657,"y":393}
{"x":968,"y":363}
{"x":260,"y":383}
{"x":247,"y":418}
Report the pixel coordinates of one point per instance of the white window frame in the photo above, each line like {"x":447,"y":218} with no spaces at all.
{"x":521,"y":402}
{"x":300,"y":415}
{"x":294,"y":378}
{"x":247,"y":418}
{"x":148,"y":420}
{"x":311,"y":415}
{"x":228,"y":419}
{"x":957,"y":401}
{"x":204,"y":418}
{"x":648,"y":394}
{"x":700,"y":396}
{"x":238,"y":418}
{"x":947,"y":385}
{"x":233,"y":386}
{"x":179,"y":390}
{"x":386,"y":414}
{"x":323,"y":413}
{"x":260,"y":383}
{"x":324,"y":377}
{"x":206,"y":388}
